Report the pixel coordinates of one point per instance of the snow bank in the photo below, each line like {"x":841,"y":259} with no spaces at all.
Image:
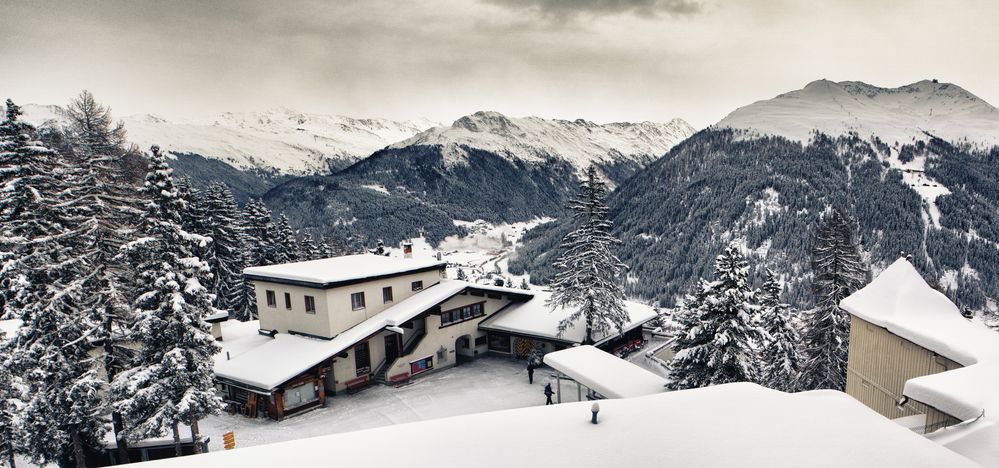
{"x":727,"y":425}
{"x":535,"y":318}
{"x":609,"y":375}
{"x":9,"y":327}
{"x":348,"y":267}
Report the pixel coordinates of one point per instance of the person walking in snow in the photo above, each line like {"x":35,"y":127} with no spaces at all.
{"x":530,"y":373}
{"x":548,"y":394}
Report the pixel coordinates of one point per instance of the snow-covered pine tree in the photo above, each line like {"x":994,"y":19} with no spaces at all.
{"x":287,"y":241}
{"x":523,"y":284}
{"x":325,"y":247}
{"x":10,"y":407}
{"x":588,"y":275}
{"x":780,"y":356}
{"x":308,"y":250}
{"x":262,"y":248}
{"x":45,"y":278}
{"x":461,"y":275}
{"x":104,"y":195}
{"x":838,"y":271}
{"x":225,"y":253}
{"x":171,"y":382}
{"x":716,"y":343}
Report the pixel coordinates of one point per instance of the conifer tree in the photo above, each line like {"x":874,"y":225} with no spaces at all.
{"x":308,"y":250}
{"x":262,"y":248}
{"x":588,"y":275}
{"x":171,"y":382}
{"x":104,"y":196}
{"x":10,"y":407}
{"x":716,"y":343}
{"x":45,"y":277}
{"x":225,"y":253}
{"x":461,"y":275}
{"x":838,"y":271}
{"x":325,"y":247}
{"x":523,"y":284}
{"x":780,"y":356}
{"x":287,"y":241}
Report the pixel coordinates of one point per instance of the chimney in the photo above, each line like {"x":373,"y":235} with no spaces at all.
{"x":407,"y":249}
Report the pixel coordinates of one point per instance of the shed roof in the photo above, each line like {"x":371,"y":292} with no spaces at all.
{"x":609,"y":375}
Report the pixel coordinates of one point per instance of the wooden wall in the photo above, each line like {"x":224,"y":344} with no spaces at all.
{"x":881,"y":362}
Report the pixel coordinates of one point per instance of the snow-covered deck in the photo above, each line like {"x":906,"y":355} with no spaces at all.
{"x":534,"y":318}
{"x":900,"y":301}
{"x":345,"y":268}
{"x":607,"y":374}
{"x":726,"y":425}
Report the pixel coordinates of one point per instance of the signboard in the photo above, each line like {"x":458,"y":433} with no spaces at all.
{"x":421,"y":365}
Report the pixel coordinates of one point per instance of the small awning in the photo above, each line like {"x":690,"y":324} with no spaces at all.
{"x":605,"y":373}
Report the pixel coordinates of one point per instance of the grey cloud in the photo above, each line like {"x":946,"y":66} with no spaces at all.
{"x":572,"y":8}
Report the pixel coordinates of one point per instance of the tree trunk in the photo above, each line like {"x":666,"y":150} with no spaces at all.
{"x":10,"y":460}
{"x":81,"y":462}
{"x":118,"y":426}
{"x":196,"y":437}
{"x":176,"y":441}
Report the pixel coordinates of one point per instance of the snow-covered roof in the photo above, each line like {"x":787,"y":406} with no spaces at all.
{"x":978,"y":441}
{"x":287,"y":356}
{"x":9,"y":327}
{"x":329,"y":271}
{"x":901,"y":301}
{"x":726,"y":425}
{"x":535,"y":318}
{"x":609,"y":375}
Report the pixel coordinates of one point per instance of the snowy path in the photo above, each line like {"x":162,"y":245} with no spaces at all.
{"x":487,"y":384}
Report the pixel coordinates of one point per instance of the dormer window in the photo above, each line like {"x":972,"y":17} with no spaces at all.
{"x":357,"y":301}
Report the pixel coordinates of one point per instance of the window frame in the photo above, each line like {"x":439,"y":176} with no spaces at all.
{"x":287,"y":301}
{"x":353,"y":304}
{"x":387,"y":298}
{"x":310,"y":301}
{"x":271,"y":298}
{"x":417,"y":285}
{"x":463,"y":314}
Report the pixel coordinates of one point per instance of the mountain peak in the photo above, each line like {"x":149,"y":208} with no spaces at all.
{"x":485,"y":121}
{"x":901,"y":114}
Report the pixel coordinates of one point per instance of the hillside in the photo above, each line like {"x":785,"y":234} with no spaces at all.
{"x":485,"y":166}
{"x":932,"y":198}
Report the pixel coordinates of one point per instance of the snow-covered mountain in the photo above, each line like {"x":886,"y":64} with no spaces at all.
{"x":281,"y":140}
{"x":903,"y":115}
{"x":533,"y":139}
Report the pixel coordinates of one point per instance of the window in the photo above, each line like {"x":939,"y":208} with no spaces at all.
{"x":417,"y":285}
{"x":271,"y":299}
{"x":480,"y":341}
{"x":387,"y":295}
{"x":462,"y":313}
{"x":287,"y":301}
{"x":499,"y":343}
{"x":362,"y":359}
{"x":357,"y":301}
{"x":310,"y":305}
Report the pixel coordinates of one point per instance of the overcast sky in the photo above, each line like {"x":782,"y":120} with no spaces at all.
{"x":603,"y":60}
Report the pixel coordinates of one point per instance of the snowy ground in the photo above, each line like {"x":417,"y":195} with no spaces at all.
{"x":487,"y":384}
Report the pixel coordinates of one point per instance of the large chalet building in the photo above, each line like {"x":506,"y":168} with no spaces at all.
{"x":339,"y":324}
